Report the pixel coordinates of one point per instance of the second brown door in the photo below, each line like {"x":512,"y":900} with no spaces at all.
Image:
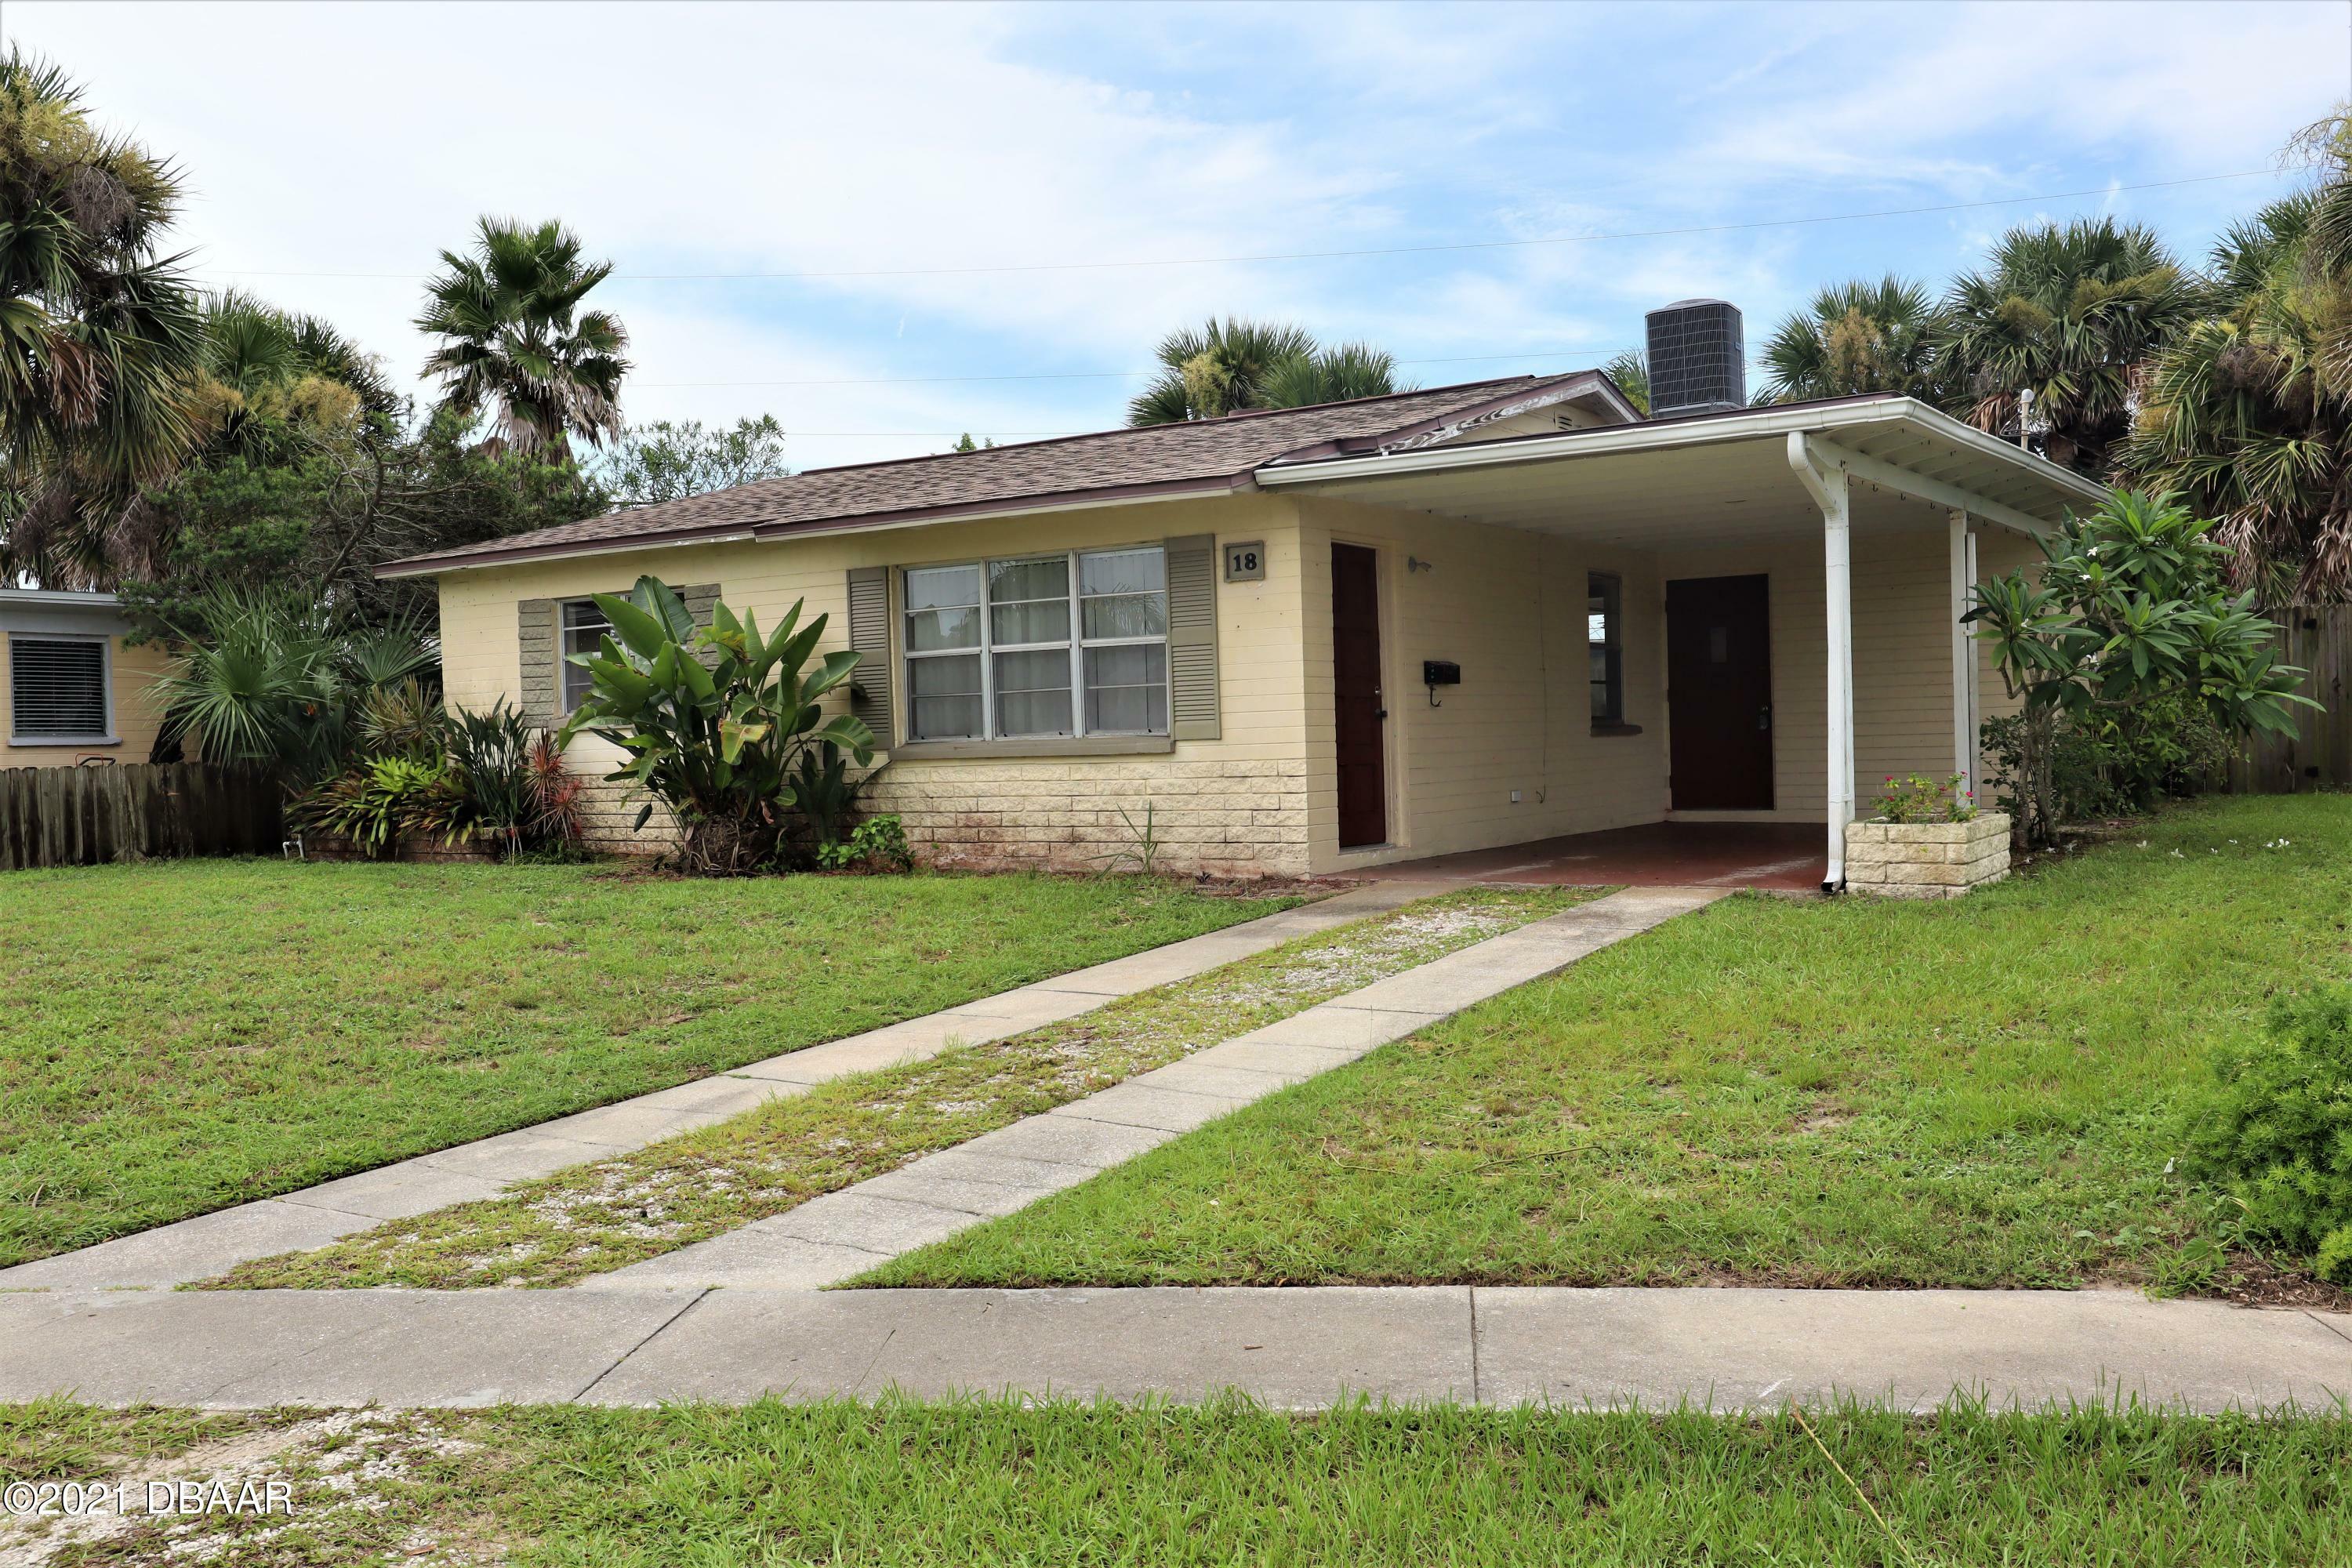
{"x":1358,"y":711}
{"x":1719,"y":693}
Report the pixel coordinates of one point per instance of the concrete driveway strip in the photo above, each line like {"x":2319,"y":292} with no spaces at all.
{"x":213,"y":1244}
{"x":932,"y":1198}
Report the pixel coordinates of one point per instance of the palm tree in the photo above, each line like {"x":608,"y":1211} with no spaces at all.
{"x":513,"y":337}
{"x":1855,"y":337}
{"x":271,"y":379}
{"x":1630,"y":369}
{"x":1236,"y":364}
{"x":99,"y":338}
{"x":2249,"y":413}
{"x":2044,"y":346}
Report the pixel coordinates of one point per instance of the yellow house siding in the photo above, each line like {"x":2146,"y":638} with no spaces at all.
{"x":1237,"y":802}
{"x":1508,"y":606}
{"x":137,"y":717}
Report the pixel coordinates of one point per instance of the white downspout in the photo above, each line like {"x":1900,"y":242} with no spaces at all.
{"x":1829,"y":492}
{"x":1964,"y":726}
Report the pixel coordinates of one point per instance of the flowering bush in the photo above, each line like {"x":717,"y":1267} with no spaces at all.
{"x":1921,"y":799}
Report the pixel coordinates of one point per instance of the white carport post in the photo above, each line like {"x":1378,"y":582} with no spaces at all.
{"x":1828,"y":488}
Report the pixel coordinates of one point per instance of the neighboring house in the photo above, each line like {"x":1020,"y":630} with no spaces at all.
{"x":75,"y":694}
{"x":1318,"y":639}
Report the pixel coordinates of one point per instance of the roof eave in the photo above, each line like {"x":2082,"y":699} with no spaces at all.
{"x":1744,"y":425}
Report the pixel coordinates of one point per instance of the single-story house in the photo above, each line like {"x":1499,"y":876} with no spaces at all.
{"x":1319,"y":640}
{"x":74,"y":693}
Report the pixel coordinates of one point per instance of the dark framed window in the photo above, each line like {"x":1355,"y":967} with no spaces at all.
{"x":1604,"y":637}
{"x":58,"y":691}
{"x":584,"y":626}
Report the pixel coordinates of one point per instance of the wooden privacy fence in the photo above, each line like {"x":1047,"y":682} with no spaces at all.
{"x":90,"y":815}
{"x":2319,"y":639}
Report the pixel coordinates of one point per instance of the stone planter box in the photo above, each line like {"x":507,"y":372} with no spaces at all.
{"x":1926,"y":859}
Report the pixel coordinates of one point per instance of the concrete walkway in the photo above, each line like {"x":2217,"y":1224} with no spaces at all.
{"x":1726,"y":1349}
{"x":212,"y":1244}
{"x":843,"y":1234}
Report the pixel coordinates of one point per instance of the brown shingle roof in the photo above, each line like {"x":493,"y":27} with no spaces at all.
{"x":1206,"y":454}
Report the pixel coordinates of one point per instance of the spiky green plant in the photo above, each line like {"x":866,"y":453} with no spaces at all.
{"x":717,"y":743}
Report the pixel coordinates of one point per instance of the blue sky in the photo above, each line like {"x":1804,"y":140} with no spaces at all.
{"x":332,"y":150}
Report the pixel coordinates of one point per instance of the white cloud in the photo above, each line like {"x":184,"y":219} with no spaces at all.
{"x":362,"y":138}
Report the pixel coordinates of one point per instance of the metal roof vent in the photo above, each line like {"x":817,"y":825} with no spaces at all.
{"x":1698,"y":358}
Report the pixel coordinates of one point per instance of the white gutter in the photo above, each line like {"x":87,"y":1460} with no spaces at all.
{"x":611,"y":547}
{"x":64,"y":598}
{"x":848,"y":526}
{"x":1708,"y":432}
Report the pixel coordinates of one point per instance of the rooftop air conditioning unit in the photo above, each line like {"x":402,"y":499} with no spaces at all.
{"x":1698,"y":357}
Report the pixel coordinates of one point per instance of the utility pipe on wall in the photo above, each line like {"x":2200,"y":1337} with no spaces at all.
{"x":1828,"y":487}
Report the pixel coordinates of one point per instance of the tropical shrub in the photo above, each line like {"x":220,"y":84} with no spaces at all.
{"x":383,"y":799}
{"x":718,"y":744}
{"x":2128,"y":615}
{"x":266,"y":676}
{"x":2275,"y":1133}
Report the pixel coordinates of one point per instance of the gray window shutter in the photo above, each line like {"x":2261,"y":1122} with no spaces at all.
{"x":538,"y":624}
{"x":869,"y":638}
{"x":1193,"y":637}
{"x":699,"y":600}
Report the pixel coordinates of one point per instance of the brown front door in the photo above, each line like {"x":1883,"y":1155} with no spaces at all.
{"x":1719,"y":693}
{"x":1356,"y":695}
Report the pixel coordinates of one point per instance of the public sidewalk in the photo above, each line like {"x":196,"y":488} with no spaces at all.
{"x":1723,"y":1349}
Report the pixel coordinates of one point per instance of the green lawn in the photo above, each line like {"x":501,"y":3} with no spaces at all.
{"x":1078,"y":1484}
{"x":1983,"y":1092}
{"x":591,"y":1218}
{"x":183,"y":1035}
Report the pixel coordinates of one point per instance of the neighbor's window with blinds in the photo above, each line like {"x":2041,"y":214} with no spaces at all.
{"x":57,"y":689}
{"x":1038,"y":646}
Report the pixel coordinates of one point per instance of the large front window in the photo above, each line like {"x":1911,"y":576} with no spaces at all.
{"x":1038,"y":646}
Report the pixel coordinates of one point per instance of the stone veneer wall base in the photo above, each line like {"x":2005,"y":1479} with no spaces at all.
{"x":1926,"y":859}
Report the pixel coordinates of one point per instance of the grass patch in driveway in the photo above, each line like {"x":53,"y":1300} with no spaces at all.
{"x":184,"y":1035}
{"x":1857,"y":1093}
{"x":1002,"y":1482}
{"x":595,"y":1217}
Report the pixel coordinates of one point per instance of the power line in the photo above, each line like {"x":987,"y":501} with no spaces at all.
{"x":1338,"y":255}
{"x":1105,"y":374}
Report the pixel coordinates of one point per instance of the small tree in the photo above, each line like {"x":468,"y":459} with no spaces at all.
{"x":715,"y":741}
{"x":2128,"y":614}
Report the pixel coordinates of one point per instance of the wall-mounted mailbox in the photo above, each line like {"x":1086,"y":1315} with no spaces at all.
{"x":1437,"y":673}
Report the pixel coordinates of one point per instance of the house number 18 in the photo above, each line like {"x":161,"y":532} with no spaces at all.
{"x":1246,"y":563}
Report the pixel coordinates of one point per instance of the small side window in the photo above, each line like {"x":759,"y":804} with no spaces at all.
{"x":584,"y":626}
{"x":1605,"y":650}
